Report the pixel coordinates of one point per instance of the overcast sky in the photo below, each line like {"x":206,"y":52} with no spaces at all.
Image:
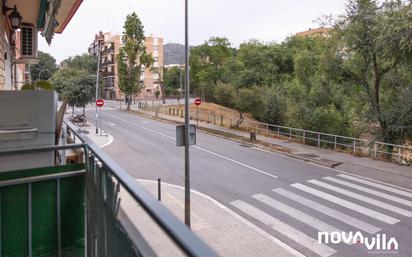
{"x":238,"y":20}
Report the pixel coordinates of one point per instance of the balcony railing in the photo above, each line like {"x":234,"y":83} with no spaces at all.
{"x":75,"y":209}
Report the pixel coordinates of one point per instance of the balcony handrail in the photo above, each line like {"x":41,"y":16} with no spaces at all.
{"x":48,"y":148}
{"x":187,"y":241}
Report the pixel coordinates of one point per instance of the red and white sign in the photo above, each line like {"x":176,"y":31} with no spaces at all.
{"x":198,"y":101}
{"x":99,"y":102}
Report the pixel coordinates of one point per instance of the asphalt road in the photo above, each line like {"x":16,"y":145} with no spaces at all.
{"x":288,"y":198}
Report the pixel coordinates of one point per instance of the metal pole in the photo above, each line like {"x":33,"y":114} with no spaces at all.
{"x":197,"y":115}
{"x":97,"y":85}
{"x":187,"y":160}
{"x":318,"y":140}
{"x":159,"y":189}
{"x":180,"y":81}
{"x":64,"y":140}
{"x":304,"y":135}
{"x":30,"y":220}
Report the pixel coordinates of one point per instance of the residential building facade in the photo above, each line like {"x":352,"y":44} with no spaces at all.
{"x":318,"y":32}
{"x":109,"y":44}
{"x":18,"y":40}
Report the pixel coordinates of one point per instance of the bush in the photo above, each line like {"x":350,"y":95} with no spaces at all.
{"x":250,"y":100}
{"x":275,"y":107}
{"x":224,"y":94}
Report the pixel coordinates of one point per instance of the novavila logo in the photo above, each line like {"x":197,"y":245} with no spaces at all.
{"x":378,"y":242}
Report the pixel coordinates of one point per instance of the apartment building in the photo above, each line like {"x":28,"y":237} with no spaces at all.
{"x":108,"y":45}
{"x":109,"y":48}
{"x":318,"y":32}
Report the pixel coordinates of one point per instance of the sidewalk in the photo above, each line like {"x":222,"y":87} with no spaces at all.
{"x":102,"y":139}
{"x":342,"y":161}
{"x":225,"y":231}
{"x":222,"y":229}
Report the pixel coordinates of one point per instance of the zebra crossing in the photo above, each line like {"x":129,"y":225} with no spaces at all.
{"x":351,"y":202}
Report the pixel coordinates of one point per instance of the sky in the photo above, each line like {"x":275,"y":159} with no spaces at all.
{"x":238,"y":20}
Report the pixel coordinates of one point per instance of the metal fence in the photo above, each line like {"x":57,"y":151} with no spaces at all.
{"x":104,"y":179}
{"x":378,"y":150}
{"x":75,"y":209}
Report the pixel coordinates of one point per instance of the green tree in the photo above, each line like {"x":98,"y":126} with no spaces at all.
{"x":225,"y":94}
{"x":275,"y":106}
{"x":80,"y":90}
{"x":374,"y":42}
{"x":46,"y":67}
{"x":85,"y":62}
{"x":207,"y":65}
{"x":263,"y":64}
{"x":171,"y":78}
{"x":62,"y":79}
{"x":249,"y":100}
{"x":74,"y":85}
{"x":132,"y":57}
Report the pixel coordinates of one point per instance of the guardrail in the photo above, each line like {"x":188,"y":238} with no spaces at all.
{"x":105,"y":178}
{"x":378,"y":150}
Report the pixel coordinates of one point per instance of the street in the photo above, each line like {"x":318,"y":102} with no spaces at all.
{"x":290,"y":199}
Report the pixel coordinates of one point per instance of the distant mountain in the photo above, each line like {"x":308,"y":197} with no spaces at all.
{"x":173,"y":54}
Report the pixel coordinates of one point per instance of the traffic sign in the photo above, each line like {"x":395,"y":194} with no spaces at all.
{"x":198,"y":101}
{"x":99,"y":102}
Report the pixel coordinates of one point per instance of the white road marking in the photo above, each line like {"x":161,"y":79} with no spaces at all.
{"x":355,"y":207}
{"x":234,"y":161}
{"x":349,"y":174}
{"x":240,"y":218}
{"x":197,"y":147}
{"x":111,"y":139}
{"x":342,"y":217}
{"x":296,"y":214}
{"x":283,"y":228}
{"x":370,"y":183}
{"x":137,"y":125}
{"x":370,"y":191}
{"x":362,"y":198}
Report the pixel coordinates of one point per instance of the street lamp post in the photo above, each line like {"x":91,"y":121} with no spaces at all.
{"x":41,"y":72}
{"x":97,"y":86}
{"x":187,"y":161}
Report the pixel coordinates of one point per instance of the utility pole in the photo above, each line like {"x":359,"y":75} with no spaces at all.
{"x":187,"y":161}
{"x":97,"y":85}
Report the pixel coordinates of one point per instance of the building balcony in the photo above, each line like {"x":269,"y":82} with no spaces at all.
{"x":74,"y":206}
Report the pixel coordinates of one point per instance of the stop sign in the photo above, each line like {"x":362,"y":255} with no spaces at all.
{"x":99,"y":102}
{"x":198,"y":101}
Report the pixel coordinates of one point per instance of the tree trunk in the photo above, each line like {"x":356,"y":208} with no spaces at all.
{"x":84,"y":115}
{"x":128,"y":104}
{"x":240,"y":120}
{"x":163,"y":94}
